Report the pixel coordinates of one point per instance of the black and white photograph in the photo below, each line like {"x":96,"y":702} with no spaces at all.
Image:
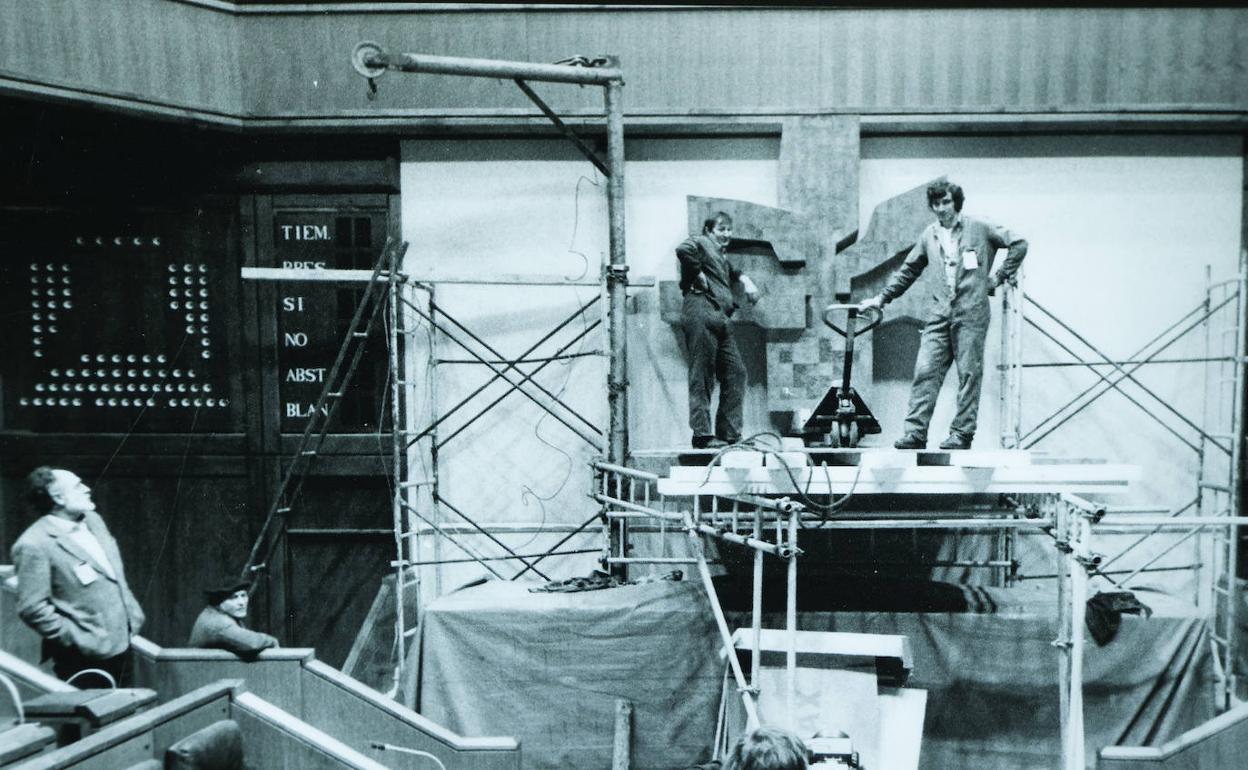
{"x":623,"y":386}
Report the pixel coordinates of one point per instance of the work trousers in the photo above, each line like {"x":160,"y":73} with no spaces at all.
{"x":947,"y":339}
{"x":713,"y":357}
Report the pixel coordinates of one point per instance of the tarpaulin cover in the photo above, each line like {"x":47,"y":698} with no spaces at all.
{"x":547,"y":669}
{"x":992,"y":679}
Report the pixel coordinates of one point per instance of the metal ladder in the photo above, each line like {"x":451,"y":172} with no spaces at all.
{"x":367,"y":313}
{"x":411,"y":492}
{"x":1221,"y":456}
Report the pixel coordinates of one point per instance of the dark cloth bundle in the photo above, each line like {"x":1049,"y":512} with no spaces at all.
{"x":1105,"y":614}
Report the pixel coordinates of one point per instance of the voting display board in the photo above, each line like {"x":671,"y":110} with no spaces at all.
{"x":119,"y":322}
{"x":312,"y":318}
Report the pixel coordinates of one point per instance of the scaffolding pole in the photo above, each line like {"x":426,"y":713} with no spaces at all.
{"x":1219,"y":437}
{"x":371,"y":61}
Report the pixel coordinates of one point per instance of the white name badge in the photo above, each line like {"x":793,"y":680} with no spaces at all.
{"x":85,"y":573}
{"x":969,"y":260}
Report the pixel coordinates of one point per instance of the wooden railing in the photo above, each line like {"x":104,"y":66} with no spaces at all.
{"x":271,"y":737}
{"x":324,"y":698}
{"x":1220,"y":742}
{"x":290,"y":680}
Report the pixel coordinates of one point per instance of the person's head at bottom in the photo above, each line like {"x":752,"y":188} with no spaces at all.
{"x":767,"y":748}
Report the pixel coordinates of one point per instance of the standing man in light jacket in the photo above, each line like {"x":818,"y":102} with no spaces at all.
{"x":72,"y":585}
{"x":706,"y":279}
{"x":957,"y":325}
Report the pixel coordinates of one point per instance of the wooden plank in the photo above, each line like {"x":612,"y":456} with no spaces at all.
{"x":1101,"y":479}
{"x":201,"y":704}
{"x":364,"y":276}
{"x":282,"y":740}
{"x":22,"y":740}
{"x":1219,"y":742}
{"x":1046,"y":474}
{"x":971,"y":458}
{"x":894,"y":646}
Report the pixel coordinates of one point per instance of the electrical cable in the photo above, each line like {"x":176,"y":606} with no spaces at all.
{"x":751,"y":444}
{"x":527,"y":492}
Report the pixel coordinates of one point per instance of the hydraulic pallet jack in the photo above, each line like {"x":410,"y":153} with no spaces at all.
{"x":842,"y":418}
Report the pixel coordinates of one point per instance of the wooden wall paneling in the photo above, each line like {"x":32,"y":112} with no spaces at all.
{"x":124,"y":319}
{"x":176,"y":501}
{"x":314,"y":75}
{"x":261,"y":242}
{"x":250,"y":319}
{"x":267,"y":475}
{"x":291,"y":66}
{"x":334,"y":575}
{"x":261,"y":475}
{"x":357,"y":226}
{"x":178,"y":520}
{"x":356,"y":223}
{"x":144,"y":51}
{"x":19,"y":447}
{"x":293,"y":177}
{"x":95,"y":468}
{"x":787,"y":60}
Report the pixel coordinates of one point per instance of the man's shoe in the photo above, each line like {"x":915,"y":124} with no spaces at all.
{"x":910,"y":441}
{"x":708,"y":442}
{"x":957,"y":441}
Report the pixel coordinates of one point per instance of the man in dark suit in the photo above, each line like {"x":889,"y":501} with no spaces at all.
{"x":706,"y":281}
{"x":72,"y":585}
{"x":963,"y":248}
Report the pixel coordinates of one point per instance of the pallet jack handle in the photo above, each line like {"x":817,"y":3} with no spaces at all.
{"x":875,"y":315}
{"x":841,"y":415}
{"x":853,"y":312}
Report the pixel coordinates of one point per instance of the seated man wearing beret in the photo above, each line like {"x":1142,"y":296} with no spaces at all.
{"x":220,"y":624}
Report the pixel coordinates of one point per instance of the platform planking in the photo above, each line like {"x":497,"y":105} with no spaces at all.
{"x":870,"y":477}
{"x":977,"y":458}
{"x":337,"y":275}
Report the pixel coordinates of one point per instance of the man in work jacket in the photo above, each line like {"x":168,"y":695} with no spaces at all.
{"x":957,"y":325}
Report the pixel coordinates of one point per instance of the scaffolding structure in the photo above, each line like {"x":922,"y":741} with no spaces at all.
{"x":413,"y":302}
{"x":744,"y":507}
{"x":1216,"y":436}
{"x":768,"y":523}
{"x":769,"y":526}
{"x":408,"y":305}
